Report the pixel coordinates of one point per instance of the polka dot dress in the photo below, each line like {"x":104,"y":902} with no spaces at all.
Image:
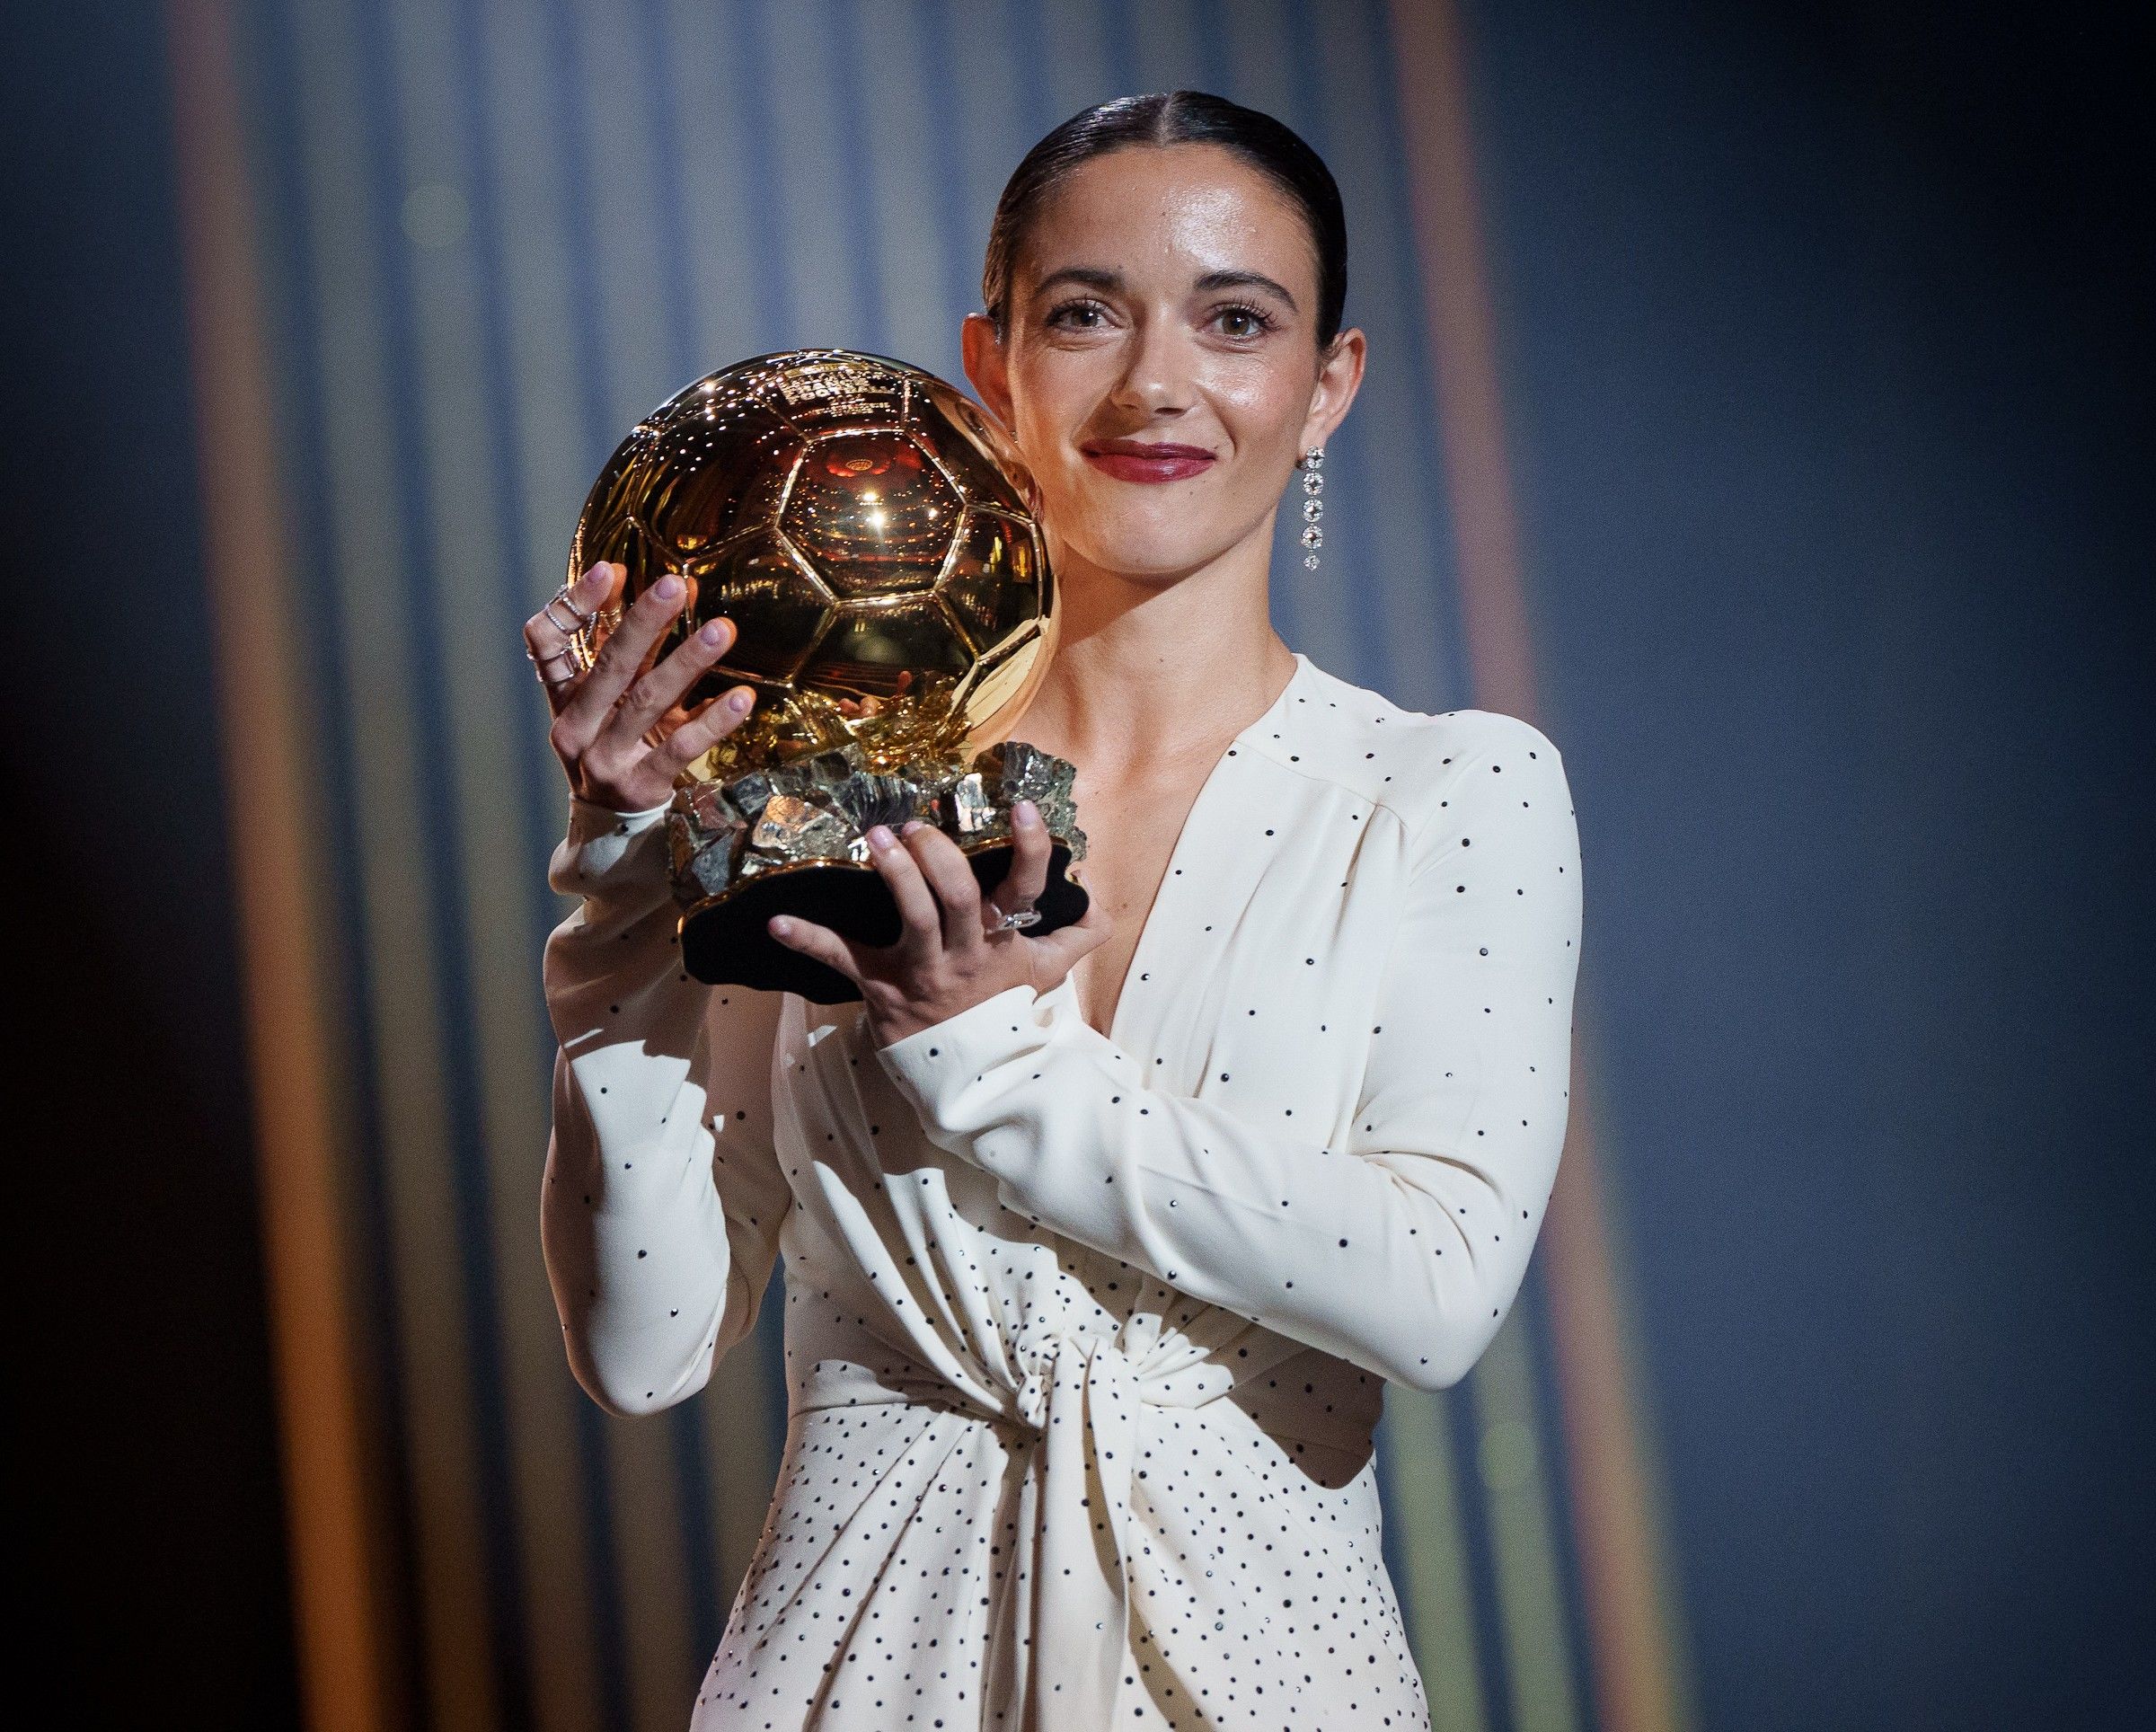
{"x":1087,"y":1335}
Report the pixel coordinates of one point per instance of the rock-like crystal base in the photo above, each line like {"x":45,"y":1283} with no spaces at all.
{"x":793,"y":839}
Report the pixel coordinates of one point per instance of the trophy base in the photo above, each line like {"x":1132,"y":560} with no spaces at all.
{"x":728,"y":942}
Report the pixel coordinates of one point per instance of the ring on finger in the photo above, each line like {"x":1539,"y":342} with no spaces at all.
{"x":583,"y":620}
{"x":539,"y":663}
{"x":587,"y":643}
{"x":1017,"y":918}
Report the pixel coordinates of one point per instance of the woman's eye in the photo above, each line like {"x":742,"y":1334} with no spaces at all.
{"x":1243,"y":322}
{"x":1078,"y":315}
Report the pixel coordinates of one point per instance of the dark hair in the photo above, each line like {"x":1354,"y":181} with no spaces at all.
{"x":1175,"y":117}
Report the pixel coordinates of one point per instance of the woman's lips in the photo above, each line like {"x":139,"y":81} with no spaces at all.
{"x":1146,"y":460}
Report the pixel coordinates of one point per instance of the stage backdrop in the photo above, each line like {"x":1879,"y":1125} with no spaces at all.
{"x":444,"y":256}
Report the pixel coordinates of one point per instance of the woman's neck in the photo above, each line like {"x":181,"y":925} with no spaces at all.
{"x":1149,"y":671}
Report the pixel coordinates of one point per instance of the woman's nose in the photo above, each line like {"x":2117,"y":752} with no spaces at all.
{"x":1156,"y":376}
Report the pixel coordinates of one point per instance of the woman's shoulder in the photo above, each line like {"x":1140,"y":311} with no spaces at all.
{"x":1413,"y":761}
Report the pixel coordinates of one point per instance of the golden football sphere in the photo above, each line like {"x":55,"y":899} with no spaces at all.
{"x":868,"y":531}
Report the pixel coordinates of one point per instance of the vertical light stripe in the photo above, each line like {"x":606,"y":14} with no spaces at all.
{"x":1433,"y":96}
{"x":1260,"y":54}
{"x":573,"y":408}
{"x":618,"y":226}
{"x":1076,"y":73}
{"x":1631,"y":1609}
{"x":478,"y":634}
{"x":650,"y":1536}
{"x":524,"y":131}
{"x":374,"y":605}
{"x":271,"y":760}
{"x":735,"y":1417}
{"x":922,"y":300}
{"x":717,"y":192}
{"x":810,"y":205}
{"x":1120,"y":40}
{"x":1423,"y":1498}
{"x":1523,"y":1536}
{"x":983,"y":74}
{"x":1399,"y":570}
{"x":626,"y":238}
{"x":1643,"y":1667}
{"x":1164,"y":47}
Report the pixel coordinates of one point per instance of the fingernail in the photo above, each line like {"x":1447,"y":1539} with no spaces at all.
{"x":666,"y":588}
{"x":879,"y":836}
{"x":1027,"y":813}
{"x":780,"y":925}
{"x":711,"y":633}
{"x":742,"y":700}
{"x":909,"y":827}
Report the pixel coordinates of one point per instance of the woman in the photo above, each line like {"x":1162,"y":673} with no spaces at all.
{"x":1100,"y":1247}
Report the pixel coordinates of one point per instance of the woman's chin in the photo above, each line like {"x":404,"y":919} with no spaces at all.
{"x":1152,"y":564}
{"x":1143,"y":551}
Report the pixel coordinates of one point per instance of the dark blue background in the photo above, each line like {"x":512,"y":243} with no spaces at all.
{"x":1833,"y":458}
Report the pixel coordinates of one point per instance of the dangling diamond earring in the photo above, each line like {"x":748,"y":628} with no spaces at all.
{"x":1312,"y":462}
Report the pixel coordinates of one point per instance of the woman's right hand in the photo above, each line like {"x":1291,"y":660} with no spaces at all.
{"x":620,"y":729}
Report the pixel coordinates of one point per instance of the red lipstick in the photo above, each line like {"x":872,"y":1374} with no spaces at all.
{"x":1146,"y":460}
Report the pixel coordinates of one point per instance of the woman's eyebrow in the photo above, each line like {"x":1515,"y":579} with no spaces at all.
{"x":1244,"y":279}
{"x":1085,"y":276}
{"x":1112,"y":282}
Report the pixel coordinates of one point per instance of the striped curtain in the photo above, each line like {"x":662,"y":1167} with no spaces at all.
{"x":446,"y":253}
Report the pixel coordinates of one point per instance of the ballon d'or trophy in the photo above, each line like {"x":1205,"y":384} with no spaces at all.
{"x":869,"y":533}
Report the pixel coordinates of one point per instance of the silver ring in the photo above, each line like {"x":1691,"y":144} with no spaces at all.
{"x":571,"y":649}
{"x":583,"y":620}
{"x":1017,"y":918}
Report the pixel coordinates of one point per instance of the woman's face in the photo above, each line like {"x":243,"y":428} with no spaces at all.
{"x":1160,"y":371}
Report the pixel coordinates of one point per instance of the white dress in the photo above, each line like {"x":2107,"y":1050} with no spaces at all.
{"x":1086,"y":1337}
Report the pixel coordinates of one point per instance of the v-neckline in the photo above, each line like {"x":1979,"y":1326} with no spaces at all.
{"x":1183,"y":838}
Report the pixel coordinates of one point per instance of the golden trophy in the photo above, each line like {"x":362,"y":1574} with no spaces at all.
{"x":870,"y":534}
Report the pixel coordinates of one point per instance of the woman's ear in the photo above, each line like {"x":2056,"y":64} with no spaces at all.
{"x":1340,"y":377}
{"x":984,"y":367}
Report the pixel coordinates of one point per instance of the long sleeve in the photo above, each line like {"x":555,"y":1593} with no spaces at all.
{"x":660,"y":1211}
{"x":1401,"y":1249}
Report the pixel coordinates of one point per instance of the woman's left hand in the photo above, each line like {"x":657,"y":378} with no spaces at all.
{"x":953,"y":953}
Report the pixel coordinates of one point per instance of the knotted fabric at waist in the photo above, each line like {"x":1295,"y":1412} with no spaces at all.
{"x":1076,"y":1410}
